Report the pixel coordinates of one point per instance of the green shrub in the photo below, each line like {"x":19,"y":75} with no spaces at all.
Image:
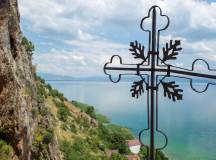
{"x":102,"y":119}
{"x":6,"y":151}
{"x":85,"y":108}
{"x":41,"y":90}
{"x":63,"y":111}
{"x":49,"y":87}
{"x":144,"y":152}
{"x":126,"y":133}
{"x":161,"y":156}
{"x":40,"y":98}
{"x":117,"y":156}
{"x":48,"y":136}
{"x":44,"y":111}
{"x":79,"y":150}
{"x":115,"y":137}
{"x":91,"y":112}
{"x":42,"y":137}
{"x":28,"y":44}
{"x":56,"y":93}
{"x":117,"y":141}
{"x":41,"y":80}
{"x":73,"y":128}
{"x":73,"y":151}
{"x":41,"y":93}
{"x":34,"y":112}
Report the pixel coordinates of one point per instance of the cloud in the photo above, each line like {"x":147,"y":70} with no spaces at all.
{"x":83,"y":34}
{"x":69,"y":15}
{"x":86,"y":59}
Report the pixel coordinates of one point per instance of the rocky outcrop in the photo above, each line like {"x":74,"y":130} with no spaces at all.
{"x":18,"y":91}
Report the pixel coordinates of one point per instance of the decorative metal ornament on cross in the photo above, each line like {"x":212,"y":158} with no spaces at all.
{"x":153,"y":69}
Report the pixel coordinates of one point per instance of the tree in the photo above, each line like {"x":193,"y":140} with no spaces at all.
{"x":117,"y":141}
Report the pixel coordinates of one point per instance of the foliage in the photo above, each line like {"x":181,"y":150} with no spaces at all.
{"x":56,"y":93}
{"x":34,"y":112}
{"x":115,"y":137}
{"x":83,"y":107}
{"x":101,"y":118}
{"x":63,"y":111}
{"x":126,"y":133}
{"x":43,"y":111}
{"x":72,"y":128}
{"x":42,"y":137}
{"x":160,"y":155}
{"x":42,"y":87}
{"x":143,"y":152}
{"x":95,"y":139}
{"x":41,"y":92}
{"x":117,"y":156}
{"x":91,"y":112}
{"x":6,"y":151}
{"x":41,"y":80}
{"x":79,"y":150}
{"x":29,"y":45}
{"x":49,"y":87}
{"x":117,"y":141}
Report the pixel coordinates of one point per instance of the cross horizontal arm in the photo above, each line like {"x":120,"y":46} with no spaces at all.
{"x":135,"y":69}
{"x":192,"y":73}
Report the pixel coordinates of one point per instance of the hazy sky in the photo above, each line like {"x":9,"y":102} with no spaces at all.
{"x":76,"y":37}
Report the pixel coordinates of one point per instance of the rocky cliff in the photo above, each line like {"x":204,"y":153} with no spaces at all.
{"x":18,"y":90}
{"x":36,"y":121}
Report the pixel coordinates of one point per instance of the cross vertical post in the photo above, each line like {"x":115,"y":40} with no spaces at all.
{"x":152,"y":85}
{"x":153,"y":71}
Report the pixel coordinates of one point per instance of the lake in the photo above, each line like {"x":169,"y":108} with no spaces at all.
{"x":190,"y":124}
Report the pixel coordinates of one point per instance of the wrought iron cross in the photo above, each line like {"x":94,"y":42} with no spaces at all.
{"x":152,"y":70}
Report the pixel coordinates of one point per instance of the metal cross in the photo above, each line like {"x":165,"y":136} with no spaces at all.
{"x":152,"y":70}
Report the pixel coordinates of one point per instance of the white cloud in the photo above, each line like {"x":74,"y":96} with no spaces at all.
{"x":81,"y":21}
{"x":96,"y":44}
{"x":86,"y":59}
{"x":72,"y":15}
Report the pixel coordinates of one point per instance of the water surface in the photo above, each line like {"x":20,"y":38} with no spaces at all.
{"x":190,"y":124}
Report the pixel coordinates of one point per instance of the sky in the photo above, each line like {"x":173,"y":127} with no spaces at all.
{"x":77,"y":37}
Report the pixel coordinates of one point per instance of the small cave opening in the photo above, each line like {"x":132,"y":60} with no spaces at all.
{"x":13,"y":47}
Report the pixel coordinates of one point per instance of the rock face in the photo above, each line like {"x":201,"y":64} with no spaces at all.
{"x":18,"y":91}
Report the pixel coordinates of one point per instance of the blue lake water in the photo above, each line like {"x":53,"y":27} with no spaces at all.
{"x":190,"y":124}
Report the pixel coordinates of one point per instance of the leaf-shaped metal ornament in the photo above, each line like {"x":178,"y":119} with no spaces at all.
{"x":172,"y":90}
{"x":137,"y":50}
{"x":171,"y":50}
{"x":137,"y":89}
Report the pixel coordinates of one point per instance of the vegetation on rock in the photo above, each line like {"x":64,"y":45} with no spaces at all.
{"x":82,"y":132}
{"x":6,"y":151}
{"x":28,"y":45}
